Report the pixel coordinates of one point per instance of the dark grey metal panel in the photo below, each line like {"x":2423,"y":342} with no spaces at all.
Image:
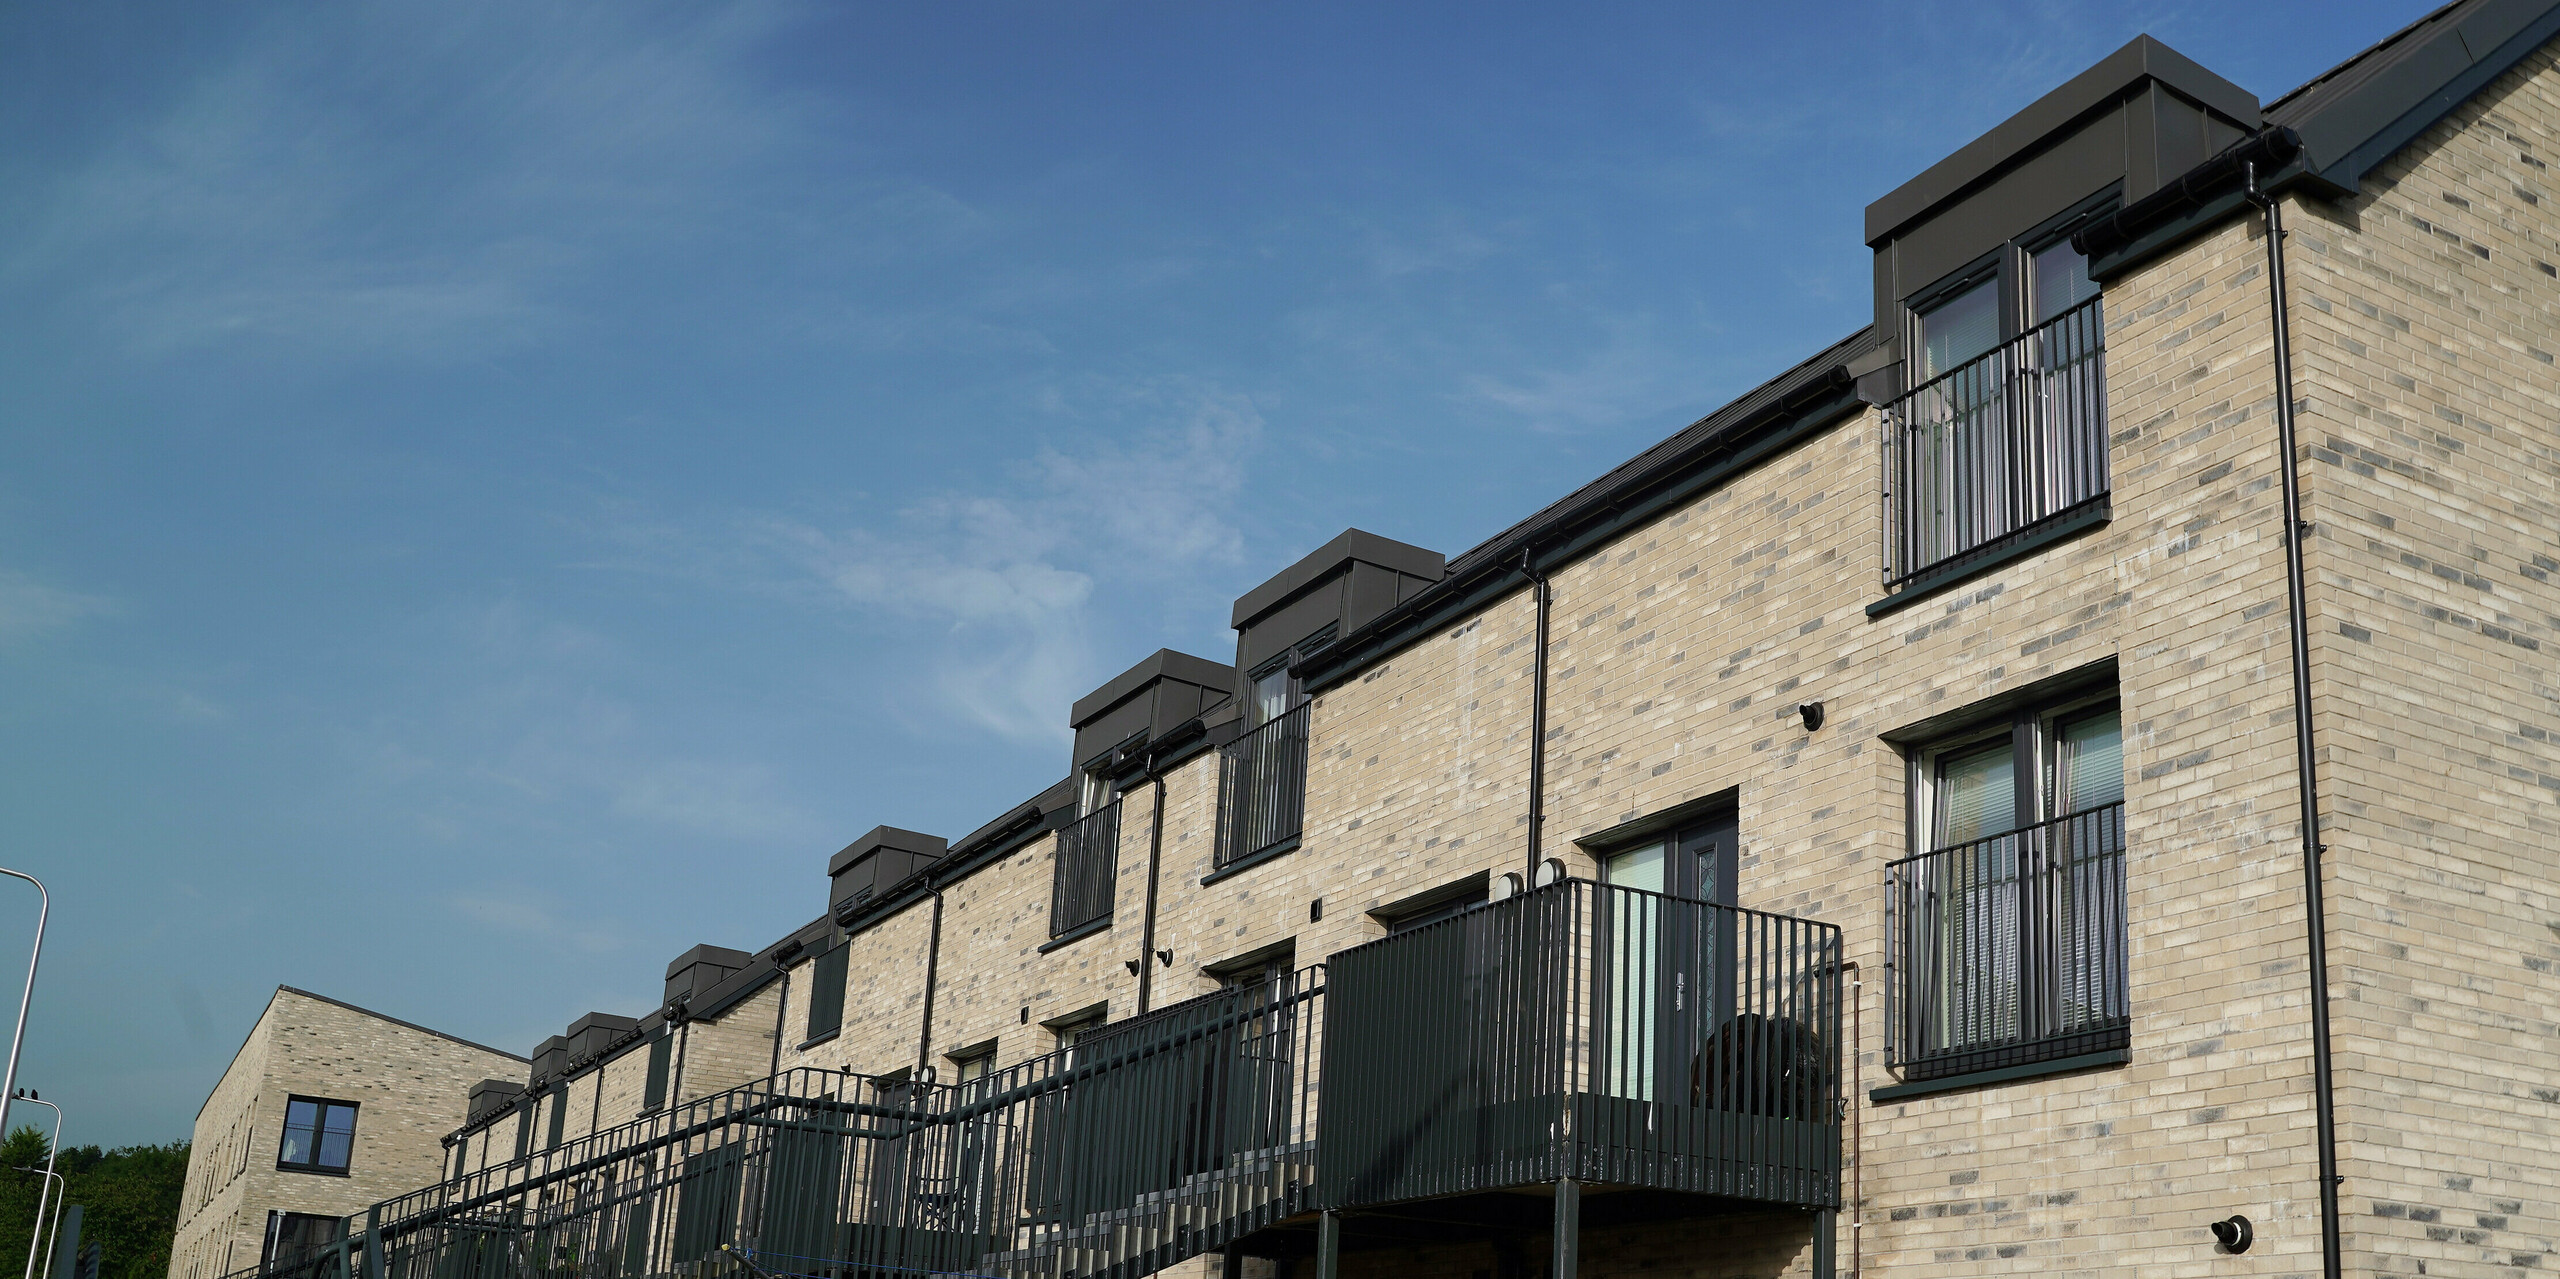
{"x":1164,"y":663}
{"x":702,"y":967}
{"x":2111,"y":80}
{"x":2075,"y":167}
{"x":888,"y":837}
{"x":1351,"y":544}
{"x":884,"y":857}
{"x":593,"y":1033}
{"x":1271,"y":634}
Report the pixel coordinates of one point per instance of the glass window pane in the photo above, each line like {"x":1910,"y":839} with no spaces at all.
{"x":334,"y":1148}
{"x":2091,"y":761}
{"x":301,"y":1130}
{"x":1960,"y":328}
{"x":1271,"y":696}
{"x":1637,"y":868}
{"x":1977,"y":794}
{"x":2061,"y":281}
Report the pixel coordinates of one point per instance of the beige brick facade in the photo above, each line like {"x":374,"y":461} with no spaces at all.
{"x":1680,"y":650}
{"x":408,"y":1083}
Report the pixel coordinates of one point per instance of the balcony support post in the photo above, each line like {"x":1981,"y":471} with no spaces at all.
{"x":1568,"y":1232}
{"x":1329,"y":1245}
{"x":1826,"y":1244}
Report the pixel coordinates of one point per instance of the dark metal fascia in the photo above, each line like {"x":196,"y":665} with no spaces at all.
{"x":2199,"y":198}
{"x":958,"y":866}
{"x":1825,"y":399}
{"x":2347,"y":170}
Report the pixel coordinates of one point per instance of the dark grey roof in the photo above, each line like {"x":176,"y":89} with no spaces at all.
{"x":1766,"y":418}
{"x":1667,"y":456}
{"x":2055,"y":112}
{"x":2358,"y":113}
{"x":1351,"y":544}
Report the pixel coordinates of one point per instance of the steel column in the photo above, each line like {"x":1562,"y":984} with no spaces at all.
{"x":1568,"y":1243}
{"x":1329,"y":1245}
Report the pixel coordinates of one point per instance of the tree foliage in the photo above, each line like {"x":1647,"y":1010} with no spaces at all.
{"x":129,"y":1197}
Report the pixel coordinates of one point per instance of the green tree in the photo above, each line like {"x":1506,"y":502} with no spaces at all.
{"x":129,"y":1199}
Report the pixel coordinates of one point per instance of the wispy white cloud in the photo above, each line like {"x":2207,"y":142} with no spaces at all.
{"x":440,"y":182}
{"x":1006,"y":582}
{"x":31,"y":607}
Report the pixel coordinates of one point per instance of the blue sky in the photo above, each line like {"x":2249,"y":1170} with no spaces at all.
{"x":492,"y":495}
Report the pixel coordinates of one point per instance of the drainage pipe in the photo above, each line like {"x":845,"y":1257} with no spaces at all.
{"x":2324,"y":1102}
{"x":1155,"y":867}
{"x":932,"y":973}
{"x":1545,"y":597}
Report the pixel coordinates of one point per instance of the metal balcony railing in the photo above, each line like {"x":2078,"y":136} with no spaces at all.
{"x":2009,"y":949}
{"x":1147,"y":1143}
{"x":1262,"y":788}
{"x":1087,"y":871}
{"x":1588,"y":1031}
{"x":1998,"y":447}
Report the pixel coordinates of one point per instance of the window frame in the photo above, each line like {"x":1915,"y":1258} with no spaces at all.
{"x":319,"y":1129}
{"x":2032,"y":727}
{"x":2030,"y":730}
{"x":2012,"y":264}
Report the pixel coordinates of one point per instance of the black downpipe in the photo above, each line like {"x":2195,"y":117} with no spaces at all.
{"x":2324,"y":1102}
{"x":1537,"y":716}
{"x":1155,"y":864}
{"x":932,"y":973}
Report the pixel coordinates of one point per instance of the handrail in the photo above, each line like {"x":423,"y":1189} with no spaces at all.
{"x":2008,"y":948}
{"x":2003,"y":443}
{"x":1086,"y":872}
{"x":1262,"y":787}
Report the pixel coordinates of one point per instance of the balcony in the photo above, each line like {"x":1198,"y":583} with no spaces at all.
{"x":1684,"y":1052}
{"x":1087,"y":872}
{"x":2010,"y":950}
{"x":1584,"y":1031}
{"x":1983,"y":459}
{"x":1262,"y":790}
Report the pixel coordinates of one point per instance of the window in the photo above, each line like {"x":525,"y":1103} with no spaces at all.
{"x":661,"y":1057}
{"x":319,"y":1136}
{"x":1087,"y":867}
{"x":1433,"y":905}
{"x":2004,"y":430}
{"x":826,"y":990}
{"x":1670,"y":964}
{"x":559,"y":1116}
{"x":296,"y":1237}
{"x":2007,"y":930}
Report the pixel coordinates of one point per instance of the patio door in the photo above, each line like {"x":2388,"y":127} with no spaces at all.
{"x":1667,"y":956}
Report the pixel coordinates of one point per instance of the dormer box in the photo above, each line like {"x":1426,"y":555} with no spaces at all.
{"x":876,"y":862}
{"x":701,"y":968}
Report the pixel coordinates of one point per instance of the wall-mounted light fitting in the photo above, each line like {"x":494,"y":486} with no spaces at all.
{"x":1812,"y":714}
{"x":1165,"y":957}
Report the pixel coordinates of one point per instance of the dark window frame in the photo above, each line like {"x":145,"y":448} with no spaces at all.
{"x":2094,"y":967}
{"x":279,"y":1219}
{"x":829,"y":972}
{"x":662,"y":1054}
{"x":319,"y":1129}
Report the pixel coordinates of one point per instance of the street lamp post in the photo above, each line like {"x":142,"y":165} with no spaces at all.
{"x":35,"y":1232}
{"x":18,"y":1038}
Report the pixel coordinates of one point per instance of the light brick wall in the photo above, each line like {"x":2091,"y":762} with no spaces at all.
{"x":409,"y":1086}
{"x":2425,"y":334}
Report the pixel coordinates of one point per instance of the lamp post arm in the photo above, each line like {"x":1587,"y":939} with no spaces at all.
{"x":18,"y":1037}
